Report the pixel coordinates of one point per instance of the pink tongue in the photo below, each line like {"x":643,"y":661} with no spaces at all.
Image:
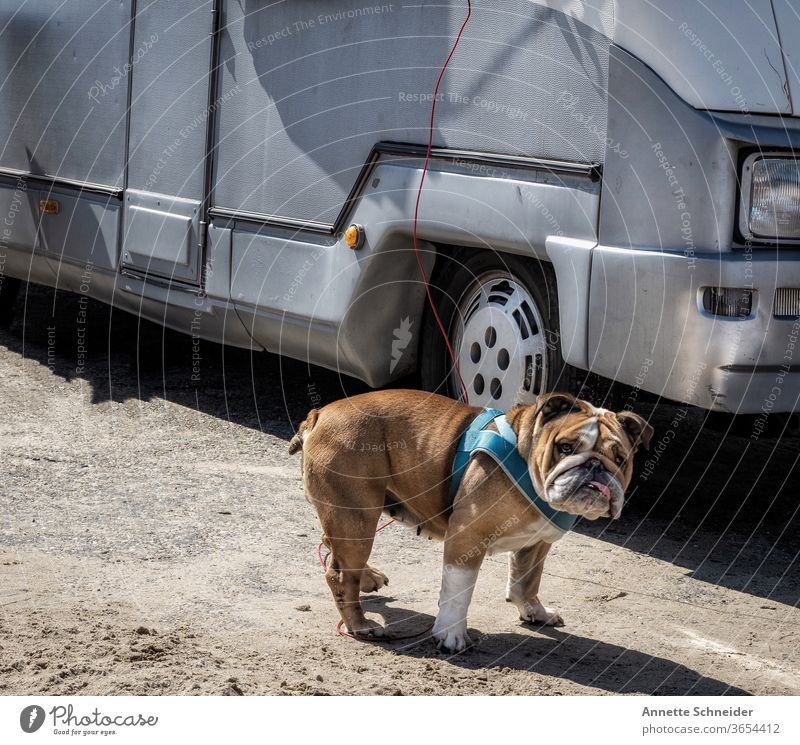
{"x":601,"y":488}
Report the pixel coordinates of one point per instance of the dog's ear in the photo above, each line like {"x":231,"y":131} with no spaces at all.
{"x":550,"y":405}
{"x":637,"y":428}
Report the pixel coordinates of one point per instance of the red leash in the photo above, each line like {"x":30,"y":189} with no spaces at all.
{"x":323,"y":561}
{"x":419,"y":196}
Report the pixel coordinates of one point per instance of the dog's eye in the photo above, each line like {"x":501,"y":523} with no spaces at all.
{"x":620,"y":461}
{"x":565,"y":448}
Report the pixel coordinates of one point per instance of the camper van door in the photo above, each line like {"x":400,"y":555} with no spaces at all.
{"x":170,"y":115}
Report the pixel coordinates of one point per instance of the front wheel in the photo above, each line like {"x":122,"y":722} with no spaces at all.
{"x":501,"y":317}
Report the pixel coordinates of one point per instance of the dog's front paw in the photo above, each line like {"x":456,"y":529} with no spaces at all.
{"x":451,"y":639}
{"x":540,"y":614}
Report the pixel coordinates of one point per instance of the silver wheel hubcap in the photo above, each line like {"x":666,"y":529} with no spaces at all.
{"x":500,"y":343}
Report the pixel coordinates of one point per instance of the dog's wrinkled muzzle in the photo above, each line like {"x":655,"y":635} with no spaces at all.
{"x":586,"y":492}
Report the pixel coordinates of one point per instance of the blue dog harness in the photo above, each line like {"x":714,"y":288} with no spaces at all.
{"x":501,"y":446}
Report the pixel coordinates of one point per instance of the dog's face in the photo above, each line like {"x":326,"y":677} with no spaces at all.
{"x":581,"y":457}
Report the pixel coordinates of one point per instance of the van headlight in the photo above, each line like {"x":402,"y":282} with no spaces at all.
{"x":770,"y":206}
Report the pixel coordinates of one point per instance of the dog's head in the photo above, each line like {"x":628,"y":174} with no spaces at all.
{"x":580,"y":457}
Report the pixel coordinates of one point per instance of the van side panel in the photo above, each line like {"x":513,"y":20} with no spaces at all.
{"x":168,"y":138}
{"x":669,"y":180}
{"x":314,"y":298}
{"x":788,"y":21}
{"x":716,"y":55}
{"x":65,"y":88}
{"x":169,"y":98}
{"x":308,"y":88}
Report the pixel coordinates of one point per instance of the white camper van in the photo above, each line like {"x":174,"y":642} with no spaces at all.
{"x":613,"y":184}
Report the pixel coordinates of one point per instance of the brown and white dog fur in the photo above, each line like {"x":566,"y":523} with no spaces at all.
{"x":392,"y":451}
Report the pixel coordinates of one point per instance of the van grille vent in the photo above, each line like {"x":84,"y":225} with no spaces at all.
{"x":787,"y":302}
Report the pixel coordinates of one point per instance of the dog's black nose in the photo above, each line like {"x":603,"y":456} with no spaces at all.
{"x":594,"y":464}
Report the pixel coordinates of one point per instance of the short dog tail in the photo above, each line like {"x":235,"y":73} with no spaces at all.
{"x":296,"y":443}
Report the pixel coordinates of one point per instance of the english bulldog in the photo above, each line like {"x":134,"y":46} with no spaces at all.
{"x":392,"y":452}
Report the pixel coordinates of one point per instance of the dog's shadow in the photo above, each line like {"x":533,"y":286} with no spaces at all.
{"x":556,"y":653}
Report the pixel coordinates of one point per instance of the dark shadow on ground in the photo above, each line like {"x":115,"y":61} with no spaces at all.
{"x":554,"y":653}
{"x":123,"y":357}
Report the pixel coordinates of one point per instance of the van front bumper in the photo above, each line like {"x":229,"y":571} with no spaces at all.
{"x":647,"y":327}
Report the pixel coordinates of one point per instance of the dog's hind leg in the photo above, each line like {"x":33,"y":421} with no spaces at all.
{"x":350,"y":542}
{"x":373,"y":579}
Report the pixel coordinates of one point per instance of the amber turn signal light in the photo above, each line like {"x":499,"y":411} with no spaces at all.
{"x":49,"y":206}
{"x":354,"y":236}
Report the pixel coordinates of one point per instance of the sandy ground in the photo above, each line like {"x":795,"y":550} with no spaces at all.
{"x":154,"y":539}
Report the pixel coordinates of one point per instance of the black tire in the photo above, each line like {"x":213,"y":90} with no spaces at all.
{"x":455,"y":275}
